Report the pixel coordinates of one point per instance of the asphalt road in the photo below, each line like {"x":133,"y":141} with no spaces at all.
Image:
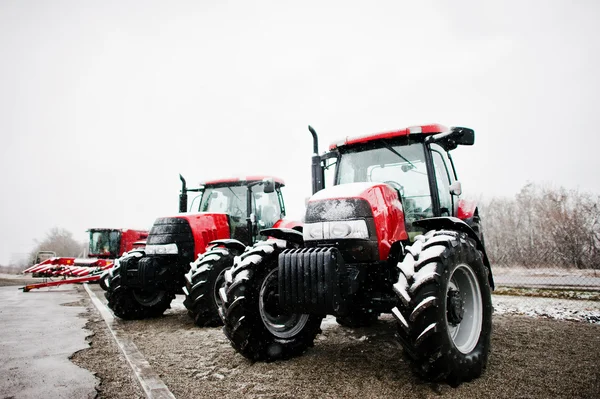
{"x":40,"y":330}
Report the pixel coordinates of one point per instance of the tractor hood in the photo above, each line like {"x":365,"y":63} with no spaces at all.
{"x":191,"y":232}
{"x":355,"y":201}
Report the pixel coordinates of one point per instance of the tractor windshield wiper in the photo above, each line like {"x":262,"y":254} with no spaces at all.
{"x":389,"y":147}
{"x":233,"y":192}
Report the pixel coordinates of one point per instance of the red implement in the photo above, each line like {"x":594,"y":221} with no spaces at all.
{"x":83,"y":270}
{"x":86,"y":279}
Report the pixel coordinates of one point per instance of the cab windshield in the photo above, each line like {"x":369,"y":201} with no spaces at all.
{"x":230,"y":200}
{"x":104,"y":242}
{"x":401,"y":166}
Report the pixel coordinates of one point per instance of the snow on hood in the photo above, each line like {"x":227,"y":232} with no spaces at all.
{"x":350,"y":190}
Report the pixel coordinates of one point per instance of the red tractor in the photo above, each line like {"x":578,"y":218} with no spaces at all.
{"x":224,"y":217}
{"x":389,"y":236}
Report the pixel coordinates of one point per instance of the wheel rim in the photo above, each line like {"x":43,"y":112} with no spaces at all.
{"x":148,"y":298}
{"x":464,"y":309}
{"x":219,"y":283}
{"x":278,"y":323}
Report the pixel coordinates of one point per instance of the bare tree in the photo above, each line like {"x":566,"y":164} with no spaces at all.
{"x":544,"y":226}
{"x":60,"y":241}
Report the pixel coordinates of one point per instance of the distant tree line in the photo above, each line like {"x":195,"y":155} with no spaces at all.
{"x":60,"y":241}
{"x":543,"y":227}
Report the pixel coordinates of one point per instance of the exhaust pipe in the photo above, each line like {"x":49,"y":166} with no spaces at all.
{"x":183,"y":196}
{"x":318,"y":173}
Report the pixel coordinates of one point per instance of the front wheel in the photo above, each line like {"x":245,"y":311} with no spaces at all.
{"x":254,"y":323}
{"x":133,"y":304}
{"x":444,"y":307}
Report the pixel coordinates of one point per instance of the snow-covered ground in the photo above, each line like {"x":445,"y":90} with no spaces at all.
{"x":560,"y":309}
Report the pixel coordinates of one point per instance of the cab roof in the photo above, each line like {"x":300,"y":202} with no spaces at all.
{"x":239,"y":181}
{"x":412,"y":130}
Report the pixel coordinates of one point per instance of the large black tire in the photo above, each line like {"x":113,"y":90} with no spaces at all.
{"x":129,"y":304}
{"x":253,"y":322}
{"x":202,"y":284}
{"x":444,"y":307}
{"x":359,"y":318}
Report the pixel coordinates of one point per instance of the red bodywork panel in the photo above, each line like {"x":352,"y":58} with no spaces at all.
{"x":423,"y":129}
{"x":466,"y":209}
{"x":129,"y":238}
{"x":287,"y":224}
{"x":387,"y":210}
{"x":206,"y":227}
{"x":244,"y":179}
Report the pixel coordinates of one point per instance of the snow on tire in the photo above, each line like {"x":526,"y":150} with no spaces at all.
{"x":203,"y":282}
{"x":129,"y":304}
{"x":253,"y":322}
{"x":444,"y":309}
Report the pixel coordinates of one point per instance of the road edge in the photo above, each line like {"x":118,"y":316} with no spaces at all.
{"x":150,"y":382}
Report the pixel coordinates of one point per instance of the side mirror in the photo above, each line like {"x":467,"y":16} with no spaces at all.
{"x":463,"y":135}
{"x":456,"y":188}
{"x":455,"y":137}
{"x":268,"y":185}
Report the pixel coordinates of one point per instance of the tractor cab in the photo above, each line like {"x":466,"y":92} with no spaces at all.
{"x":415,"y":162}
{"x":251,"y":204}
{"x":112,"y":243}
{"x":104,"y":243}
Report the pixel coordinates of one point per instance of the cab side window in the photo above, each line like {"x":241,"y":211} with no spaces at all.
{"x":266,"y":208}
{"x":443,"y":184}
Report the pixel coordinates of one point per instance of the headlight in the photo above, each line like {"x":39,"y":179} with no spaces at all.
{"x":313,"y":231}
{"x":336,"y":230}
{"x":162,"y":249}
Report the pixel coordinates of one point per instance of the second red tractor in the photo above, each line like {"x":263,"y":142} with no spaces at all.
{"x":224,"y":217}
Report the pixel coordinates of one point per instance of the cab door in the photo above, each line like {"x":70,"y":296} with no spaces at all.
{"x":443,"y":179}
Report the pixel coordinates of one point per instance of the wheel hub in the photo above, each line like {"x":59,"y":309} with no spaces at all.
{"x":279,"y":323}
{"x":455,"y":306}
{"x":148,"y":298}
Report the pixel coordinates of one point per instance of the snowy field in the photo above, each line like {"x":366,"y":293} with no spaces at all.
{"x":558,"y":309}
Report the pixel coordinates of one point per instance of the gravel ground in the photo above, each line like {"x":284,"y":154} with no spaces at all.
{"x":531,"y":357}
{"x":104,"y":359}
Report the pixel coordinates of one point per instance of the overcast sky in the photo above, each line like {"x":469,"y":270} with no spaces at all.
{"x":103,"y":103}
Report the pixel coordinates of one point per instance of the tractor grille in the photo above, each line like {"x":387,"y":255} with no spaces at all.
{"x":174,"y":230}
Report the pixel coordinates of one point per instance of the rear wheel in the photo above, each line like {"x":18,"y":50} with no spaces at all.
{"x":203,"y":282}
{"x":128,"y":303}
{"x":254,"y":323}
{"x":444,"y":307}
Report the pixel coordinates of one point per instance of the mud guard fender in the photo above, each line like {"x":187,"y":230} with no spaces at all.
{"x":291,"y":235}
{"x":452,"y":223}
{"x":230,"y":243}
